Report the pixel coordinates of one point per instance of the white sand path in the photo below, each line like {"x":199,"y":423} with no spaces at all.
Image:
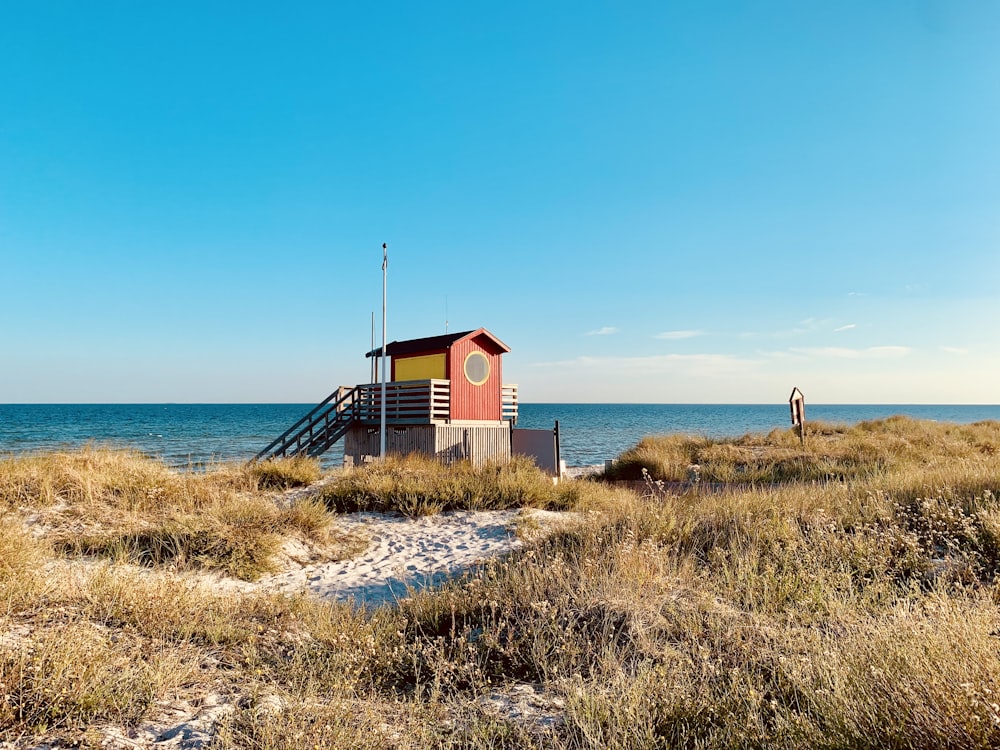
{"x":403,"y":555}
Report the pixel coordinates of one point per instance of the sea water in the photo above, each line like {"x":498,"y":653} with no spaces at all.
{"x":196,"y":434}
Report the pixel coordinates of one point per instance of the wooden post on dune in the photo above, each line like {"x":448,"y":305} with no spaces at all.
{"x":797,"y":403}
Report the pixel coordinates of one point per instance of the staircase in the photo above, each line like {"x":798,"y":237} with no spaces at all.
{"x":318,"y":430}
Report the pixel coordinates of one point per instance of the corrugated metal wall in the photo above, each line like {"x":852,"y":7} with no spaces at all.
{"x":447,"y":443}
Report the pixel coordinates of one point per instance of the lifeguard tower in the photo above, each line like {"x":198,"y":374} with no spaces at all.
{"x":445,"y":398}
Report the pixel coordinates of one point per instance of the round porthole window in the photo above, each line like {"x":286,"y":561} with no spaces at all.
{"x":477,"y":368}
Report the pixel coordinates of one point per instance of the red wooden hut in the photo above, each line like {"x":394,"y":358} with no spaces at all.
{"x":470,"y":361}
{"x":445,"y":398}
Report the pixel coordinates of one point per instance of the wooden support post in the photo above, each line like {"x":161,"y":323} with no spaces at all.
{"x":558,"y":451}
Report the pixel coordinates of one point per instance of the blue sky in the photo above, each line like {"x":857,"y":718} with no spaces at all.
{"x":648,"y":202}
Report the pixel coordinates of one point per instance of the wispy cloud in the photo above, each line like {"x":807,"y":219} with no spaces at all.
{"x":675,"y":335}
{"x":848,"y":327}
{"x":839,"y":352}
{"x":605,"y":331}
{"x":954,"y":350}
{"x":808,"y":325}
{"x":691,"y":364}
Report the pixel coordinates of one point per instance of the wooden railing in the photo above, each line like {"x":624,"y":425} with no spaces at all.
{"x":406,"y":401}
{"x":417,"y":402}
{"x":508,"y":402}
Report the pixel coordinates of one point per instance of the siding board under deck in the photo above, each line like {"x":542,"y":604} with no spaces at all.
{"x":479,"y":443}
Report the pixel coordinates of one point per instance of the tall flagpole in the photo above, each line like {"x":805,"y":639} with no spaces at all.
{"x":381,"y":434}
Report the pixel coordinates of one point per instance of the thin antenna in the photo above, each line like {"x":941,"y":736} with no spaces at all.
{"x":446,"y":313}
{"x":381,"y":441}
{"x":372,"y":350}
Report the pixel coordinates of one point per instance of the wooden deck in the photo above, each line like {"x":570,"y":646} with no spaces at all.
{"x":409,"y":405}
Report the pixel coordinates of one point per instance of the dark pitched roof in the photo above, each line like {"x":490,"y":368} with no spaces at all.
{"x":432,"y":343}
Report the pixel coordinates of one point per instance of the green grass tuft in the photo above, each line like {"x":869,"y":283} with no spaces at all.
{"x":417,"y":486}
{"x":283,"y":473}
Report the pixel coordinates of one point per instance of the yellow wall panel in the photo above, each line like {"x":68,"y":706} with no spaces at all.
{"x":420,"y":368}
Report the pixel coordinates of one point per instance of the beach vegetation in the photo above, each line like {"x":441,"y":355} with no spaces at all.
{"x":284,"y":473}
{"x":855,"y":612}
{"x":830,"y":452}
{"x":124,"y":506}
{"x":417,"y":485}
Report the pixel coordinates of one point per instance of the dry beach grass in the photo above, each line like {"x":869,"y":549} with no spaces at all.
{"x":845,"y":596}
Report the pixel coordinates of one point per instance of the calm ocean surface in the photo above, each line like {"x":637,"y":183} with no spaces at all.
{"x":183,"y":434}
